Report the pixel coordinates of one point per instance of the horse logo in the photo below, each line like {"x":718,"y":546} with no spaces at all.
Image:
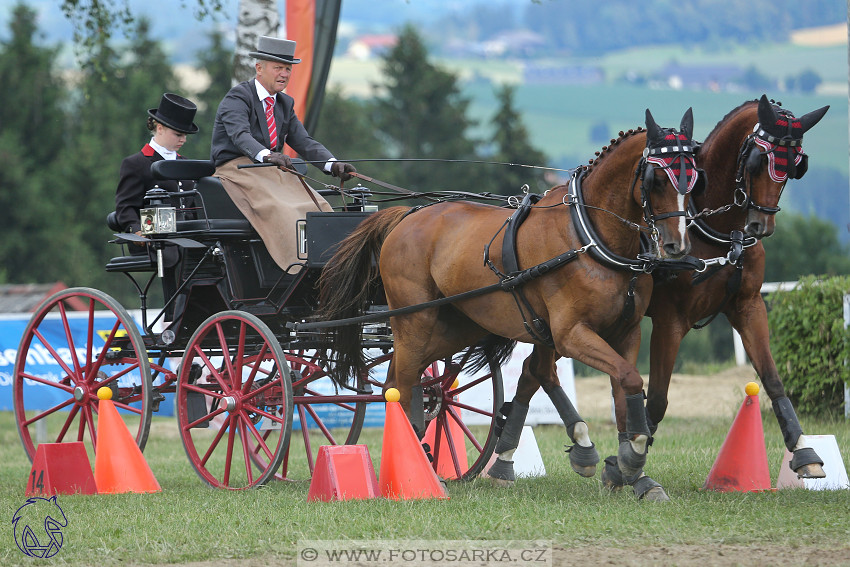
{"x":38,"y":527}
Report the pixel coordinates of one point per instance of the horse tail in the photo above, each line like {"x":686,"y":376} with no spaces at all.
{"x":491,"y":348}
{"x":347,"y":283}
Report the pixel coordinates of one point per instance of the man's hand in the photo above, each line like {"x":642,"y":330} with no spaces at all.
{"x":342,"y":170}
{"x":279,"y":159}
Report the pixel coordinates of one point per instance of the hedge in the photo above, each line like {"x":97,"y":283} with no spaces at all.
{"x":810,"y":344}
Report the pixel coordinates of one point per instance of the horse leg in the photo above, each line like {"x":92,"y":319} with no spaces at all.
{"x":749,"y":318}
{"x":539,"y":369}
{"x":635,"y":437}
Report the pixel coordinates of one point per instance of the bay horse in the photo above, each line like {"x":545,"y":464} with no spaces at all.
{"x":748,"y":158}
{"x":589,"y":308}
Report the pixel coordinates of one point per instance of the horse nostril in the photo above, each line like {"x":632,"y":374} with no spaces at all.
{"x":672,"y":248}
{"x":754,"y":228}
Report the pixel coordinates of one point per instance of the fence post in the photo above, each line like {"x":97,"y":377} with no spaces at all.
{"x":846,"y":383}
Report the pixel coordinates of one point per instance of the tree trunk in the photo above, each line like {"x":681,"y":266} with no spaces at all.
{"x":256,"y":18}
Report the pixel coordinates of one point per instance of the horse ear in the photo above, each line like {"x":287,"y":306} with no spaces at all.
{"x":766,"y":113}
{"x":687,"y":125}
{"x":812,"y":118}
{"x":653,"y":131}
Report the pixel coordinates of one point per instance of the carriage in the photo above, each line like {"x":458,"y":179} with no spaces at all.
{"x":241,"y":382}
{"x":245,"y":371}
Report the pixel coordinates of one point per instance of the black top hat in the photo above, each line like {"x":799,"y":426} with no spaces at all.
{"x":175,"y":112}
{"x":274,"y":49}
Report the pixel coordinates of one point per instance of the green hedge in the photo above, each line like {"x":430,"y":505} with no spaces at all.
{"x":809,"y":343}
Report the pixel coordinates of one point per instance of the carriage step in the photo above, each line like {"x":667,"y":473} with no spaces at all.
{"x":156,"y":399}
{"x":196,"y":407}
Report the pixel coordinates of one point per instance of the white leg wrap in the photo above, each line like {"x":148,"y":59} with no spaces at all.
{"x":507,"y":455}
{"x":582,"y":434}
{"x":639,"y":444}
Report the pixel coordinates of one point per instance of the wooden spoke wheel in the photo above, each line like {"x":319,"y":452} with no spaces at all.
{"x":79,"y":340}
{"x":325,"y":414}
{"x":234,"y":401}
{"x":460,"y":416}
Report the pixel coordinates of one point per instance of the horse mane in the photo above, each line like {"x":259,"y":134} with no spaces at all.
{"x":735,"y":111}
{"x":607,"y":149}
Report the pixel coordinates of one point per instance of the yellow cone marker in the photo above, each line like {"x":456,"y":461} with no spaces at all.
{"x":751,"y":388}
{"x":104,"y":393}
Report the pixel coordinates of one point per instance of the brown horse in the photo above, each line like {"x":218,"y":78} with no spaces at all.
{"x":748,"y":158}
{"x":588,"y":308}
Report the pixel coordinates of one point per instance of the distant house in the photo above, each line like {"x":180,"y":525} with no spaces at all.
{"x":25,"y":298}
{"x":368,"y":46}
{"x":700,"y":77}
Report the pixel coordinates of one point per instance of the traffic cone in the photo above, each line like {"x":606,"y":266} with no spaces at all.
{"x":442,"y":452}
{"x":741,"y":465}
{"x":343,"y":472}
{"x":118,"y":462}
{"x":406,"y":473}
{"x":61,"y":468}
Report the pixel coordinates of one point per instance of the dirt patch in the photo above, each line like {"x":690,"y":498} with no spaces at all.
{"x":714,"y":395}
{"x":702,"y":555}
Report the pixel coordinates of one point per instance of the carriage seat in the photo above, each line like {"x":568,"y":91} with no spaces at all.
{"x":219,"y":213}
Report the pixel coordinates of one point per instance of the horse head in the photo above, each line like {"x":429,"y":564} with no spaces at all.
{"x":772,"y":155}
{"x":668,"y":176}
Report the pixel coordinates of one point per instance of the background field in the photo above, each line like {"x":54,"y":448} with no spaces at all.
{"x":189,"y":522}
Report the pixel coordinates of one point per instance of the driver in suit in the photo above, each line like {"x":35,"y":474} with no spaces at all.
{"x":252,"y":123}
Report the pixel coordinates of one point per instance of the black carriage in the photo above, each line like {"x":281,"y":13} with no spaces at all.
{"x":240,"y":378}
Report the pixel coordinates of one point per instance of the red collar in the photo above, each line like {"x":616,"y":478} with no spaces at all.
{"x":148,"y":151}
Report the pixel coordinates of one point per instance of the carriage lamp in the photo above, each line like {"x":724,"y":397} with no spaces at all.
{"x":158,"y":217}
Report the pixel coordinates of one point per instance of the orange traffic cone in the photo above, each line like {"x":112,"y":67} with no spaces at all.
{"x":442,"y":451}
{"x":406,"y":473}
{"x":343,"y":472}
{"x":118,"y":462}
{"x":741,"y":465}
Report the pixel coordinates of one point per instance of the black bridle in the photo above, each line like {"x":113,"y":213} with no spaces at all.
{"x":744,"y":176}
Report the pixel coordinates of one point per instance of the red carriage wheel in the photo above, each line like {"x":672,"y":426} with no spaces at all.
{"x":460,"y":416}
{"x":234,"y":401}
{"x":326,"y":414}
{"x":78,"y":341}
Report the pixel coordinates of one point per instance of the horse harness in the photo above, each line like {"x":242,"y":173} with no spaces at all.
{"x":749,"y":163}
{"x":645,"y":262}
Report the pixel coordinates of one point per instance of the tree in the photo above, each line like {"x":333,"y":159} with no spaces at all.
{"x":32,"y":136}
{"x":802,"y":246}
{"x":423,"y":115}
{"x":216,"y":61}
{"x":513,"y":146}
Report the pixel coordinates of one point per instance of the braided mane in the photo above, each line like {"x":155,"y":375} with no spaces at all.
{"x":606,"y":149}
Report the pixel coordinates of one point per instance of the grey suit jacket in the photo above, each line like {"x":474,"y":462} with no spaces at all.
{"x":240,"y":128}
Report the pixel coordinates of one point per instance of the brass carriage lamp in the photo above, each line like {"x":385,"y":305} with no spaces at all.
{"x":158,"y":216}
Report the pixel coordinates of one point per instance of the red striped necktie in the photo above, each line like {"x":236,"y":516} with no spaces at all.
{"x":270,"y":122}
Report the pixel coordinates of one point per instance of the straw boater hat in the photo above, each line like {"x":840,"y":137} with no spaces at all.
{"x":175,"y":112}
{"x":274,"y":49}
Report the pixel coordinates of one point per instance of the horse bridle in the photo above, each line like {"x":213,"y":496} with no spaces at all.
{"x":749,"y":164}
{"x":645,"y":171}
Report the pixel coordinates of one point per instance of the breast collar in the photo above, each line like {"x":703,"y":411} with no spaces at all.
{"x":588,"y":237}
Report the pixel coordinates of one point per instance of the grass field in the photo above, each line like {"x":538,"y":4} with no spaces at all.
{"x":189,"y":522}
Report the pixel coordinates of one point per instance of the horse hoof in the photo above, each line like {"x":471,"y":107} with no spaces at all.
{"x":655,"y":494}
{"x":612,"y":478}
{"x":497,"y":482}
{"x":813,"y":470}
{"x":586,"y":472}
{"x":583,"y":459}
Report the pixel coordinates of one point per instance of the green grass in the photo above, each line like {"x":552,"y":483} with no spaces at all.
{"x":188,"y":521}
